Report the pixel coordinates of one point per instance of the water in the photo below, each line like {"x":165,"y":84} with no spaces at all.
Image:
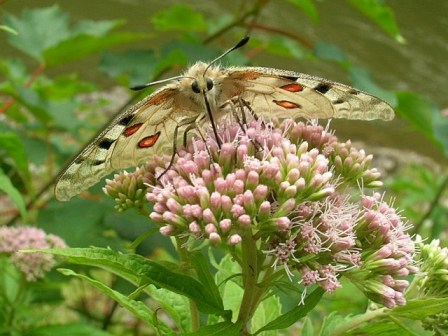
{"x":418,"y":66}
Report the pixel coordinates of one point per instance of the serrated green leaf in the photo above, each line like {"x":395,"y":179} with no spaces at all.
{"x":176,"y":306}
{"x":295,"y":314}
{"x":220,"y":329}
{"x":9,"y":189}
{"x":96,"y":28}
{"x":140,"y":270}
{"x":419,"y":309}
{"x":331,"y":322}
{"x":12,"y":146}
{"x":179,"y":17}
{"x":82,"y":45}
{"x":308,"y":8}
{"x":137,"y":308}
{"x":381,"y":14}
{"x":35,"y":34}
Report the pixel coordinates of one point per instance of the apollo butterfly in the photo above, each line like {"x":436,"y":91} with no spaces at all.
{"x":201,"y":96}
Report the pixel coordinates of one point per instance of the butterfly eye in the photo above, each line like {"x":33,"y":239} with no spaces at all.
{"x":209,"y":84}
{"x":195,"y":87}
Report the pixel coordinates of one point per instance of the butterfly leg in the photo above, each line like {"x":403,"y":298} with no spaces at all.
{"x":191,"y":124}
{"x":243,"y":104}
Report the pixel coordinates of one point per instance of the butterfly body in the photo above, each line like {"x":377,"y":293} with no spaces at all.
{"x":197,"y":97}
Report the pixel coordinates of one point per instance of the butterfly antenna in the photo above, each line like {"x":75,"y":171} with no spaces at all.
{"x":241,"y":43}
{"x":144,"y":86}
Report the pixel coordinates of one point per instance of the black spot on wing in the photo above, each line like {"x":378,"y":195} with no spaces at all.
{"x":96,"y":162}
{"x":291,"y":78}
{"x":339,"y":101}
{"x":126,"y":120}
{"x":322,"y":87}
{"x":79,"y":160}
{"x":105,"y":143}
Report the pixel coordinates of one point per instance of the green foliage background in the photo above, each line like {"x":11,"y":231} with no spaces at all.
{"x":64,"y":75}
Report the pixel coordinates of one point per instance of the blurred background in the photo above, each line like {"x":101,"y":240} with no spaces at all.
{"x":66,"y":67}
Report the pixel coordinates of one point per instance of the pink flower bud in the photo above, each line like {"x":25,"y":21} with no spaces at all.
{"x":210,"y":228}
{"x":253,"y":179}
{"x":225,"y":224}
{"x":238,"y":187}
{"x":215,"y":201}
{"x":196,"y":210}
{"x":241,"y":152}
{"x":235,"y":239}
{"x":293,"y":175}
{"x":214,"y":238}
{"x":244,"y":220}
{"x":237,"y":210}
{"x":167,"y":230}
{"x":156,"y":217}
{"x":283,"y":223}
{"x":208,"y":216}
{"x":173,"y":206}
{"x":220,"y":185}
{"x":226,"y":203}
{"x":194,"y":227}
{"x":260,"y":192}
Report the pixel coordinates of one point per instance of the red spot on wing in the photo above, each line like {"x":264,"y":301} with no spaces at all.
{"x":160,"y":98}
{"x":248,"y":75}
{"x":286,"y":104}
{"x":132,"y":129}
{"x":293,"y":87}
{"x":149,"y":141}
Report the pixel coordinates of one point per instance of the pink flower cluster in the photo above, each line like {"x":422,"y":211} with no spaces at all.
{"x":33,"y":265}
{"x":288,"y":185}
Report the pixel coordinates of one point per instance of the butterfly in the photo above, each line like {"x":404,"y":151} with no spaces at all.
{"x":198,"y":96}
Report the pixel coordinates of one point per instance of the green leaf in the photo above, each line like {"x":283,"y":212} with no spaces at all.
{"x":7,"y":187}
{"x":292,"y":316}
{"x":308,"y":8}
{"x":38,"y":29}
{"x":12,"y":146}
{"x":137,"y":308}
{"x":83,"y":45}
{"x":331,"y":322}
{"x":268,"y":310}
{"x":330,"y":52}
{"x":140,"y":270}
{"x":35,"y":103}
{"x":381,"y":14}
{"x":226,"y":328}
{"x":175,"y":305}
{"x":424,"y":116}
{"x":179,"y":17}
{"x":205,"y":277}
{"x":137,"y":66}
{"x":308,"y":329}
{"x":69,"y":329}
{"x":419,"y":309}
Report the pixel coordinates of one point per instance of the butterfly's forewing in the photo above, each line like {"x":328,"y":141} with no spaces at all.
{"x":287,"y":94}
{"x":144,"y":130}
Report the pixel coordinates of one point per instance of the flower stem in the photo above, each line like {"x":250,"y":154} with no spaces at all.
{"x":358,"y":320}
{"x":250,"y":275}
